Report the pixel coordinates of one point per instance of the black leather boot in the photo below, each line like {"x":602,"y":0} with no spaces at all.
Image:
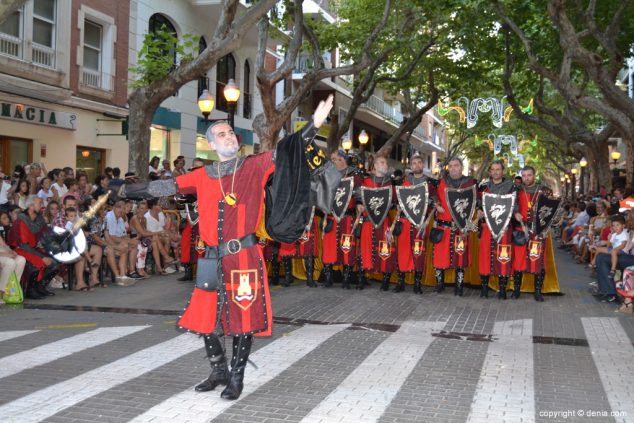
{"x":440,"y":281}
{"x":309,"y":263}
{"x":41,"y":289}
{"x":418,"y":288}
{"x":484,"y":282}
{"x":241,"y":350}
{"x":288,"y":271}
{"x":539,"y":284}
{"x":502,"y":292}
{"x":275,"y":272}
{"x":361,"y":279}
{"x":32,"y":292}
{"x":517,"y":284}
{"x":385,"y":285}
{"x":219,"y":369}
{"x":347,"y":272}
{"x":459,"y":286}
{"x":328,"y":275}
{"x":400,"y":285}
{"x":188,"y":275}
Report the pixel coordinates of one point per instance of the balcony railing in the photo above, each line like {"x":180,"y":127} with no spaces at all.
{"x":384,"y":109}
{"x":10,"y":46}
{"x":95,"y":79}
{"x":43,"y":56}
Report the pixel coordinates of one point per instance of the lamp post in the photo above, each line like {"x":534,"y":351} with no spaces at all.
{"x":363,"y":140}
{"x":582,"y":179}
{"x":206,"y":103}
{"x":346,"y":144}
{"x":232,"y":95}
{"x":573,"y":182}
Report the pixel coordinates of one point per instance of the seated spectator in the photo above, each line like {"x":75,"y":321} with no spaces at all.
{"x":59,"y":189}
{"x":95,"y":245}
{"x":101,"y":186}
{"x":5,"y":225}
{"x":9,"y":262}
{"x":65,"y":219}
{"x":84,"y":190}
{"x":154,"y":165}
{"x":45,"y":192}
{"x":179,"y":166}
{"x":119,"y":243}
{"x":5,"y":187}
{"x":26,"y":232}
{"x":159,"y":226}
{"x":35,"y":177}
{"x":51,"y":211}
{"x":115,"y":182}
{"x":138,"y":229}
{"x":581,"y":219}
{"x":611,"y":257}
{"x":22,"y":192}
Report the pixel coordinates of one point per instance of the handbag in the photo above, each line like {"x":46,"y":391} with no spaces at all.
{"x":519,"y":238}
{"x":435,"y":235}
{"x":207,"y":274}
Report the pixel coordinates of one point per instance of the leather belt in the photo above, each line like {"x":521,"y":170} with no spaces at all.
{"x":443,"y":223}
{"x":233,"y":246}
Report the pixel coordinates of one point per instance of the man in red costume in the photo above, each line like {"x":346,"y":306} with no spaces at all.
{"x":230,"y":195}
{"x":24,"y":236}
{"x":452,"y":252}
{"x":529,"y":258}
{"x":377,"y":244}
{"x":338,"y":245}
{"x":495,"y":256}
{"x":411,"y":242}
{"x":305,"y":248}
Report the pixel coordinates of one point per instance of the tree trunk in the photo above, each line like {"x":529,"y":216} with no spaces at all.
{"x":141,"y":115}
{"x":629,"y":163}
{"x":598,"y":162}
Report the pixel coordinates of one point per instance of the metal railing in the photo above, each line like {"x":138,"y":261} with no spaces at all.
{"x":95,"y":79}
{"x":10,"y":46}
{"x":383,"y":109}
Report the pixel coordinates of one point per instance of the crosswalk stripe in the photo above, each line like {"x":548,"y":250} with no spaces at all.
{"x":506,"y":388}
{"x":370,"y":388}
{"x":5,"y":336}
{"x":612,"y":352}
{"x":272,"y":360}
{"x":38,"y":356}
{"x":53,"y":399}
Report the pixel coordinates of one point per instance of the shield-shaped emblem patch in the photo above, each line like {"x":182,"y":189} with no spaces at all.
{"x":498,"y":210}
{"x":546,"y":208}
{"x":461,"y":202}
{"x":244,"y":287}
{"x":343,"y":194}
{"x":377,"y":202}
{"x":413,"y":200}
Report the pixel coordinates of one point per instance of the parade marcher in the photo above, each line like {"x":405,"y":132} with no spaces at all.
{"x":411,"y":243}
{"x":191,"y":244}
{"x":24,"y":236}
{"x":305,"y":248}
{"x":376,"y":252}
{"x":495,"y":255}
{"x":529,"y":258}
{"x":338,"y":243}
{"x":233,"y":287}
{"x":270,"y":252}
{"x":451,"y":248}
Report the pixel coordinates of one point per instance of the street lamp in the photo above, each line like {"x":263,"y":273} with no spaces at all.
{"x":616,"y":155}
{"x":232,"y":94}
{"x":583,"y":162}
{"x":573,"y":171}
{"x":206,"y":104}
{"x":363,"y":137}
{"x":582,"y":178}
{"x":346,"y":144}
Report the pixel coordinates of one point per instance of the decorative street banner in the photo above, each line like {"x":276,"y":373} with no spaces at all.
{"x":37,"y":115}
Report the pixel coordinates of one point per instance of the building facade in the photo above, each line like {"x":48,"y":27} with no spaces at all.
{"x":63,"y":84}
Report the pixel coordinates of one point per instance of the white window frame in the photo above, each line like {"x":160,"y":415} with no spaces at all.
{"x":10,"y":39}
{"x":107,"y":57}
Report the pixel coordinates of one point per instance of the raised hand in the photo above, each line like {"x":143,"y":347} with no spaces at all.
{"x":322,"y":111}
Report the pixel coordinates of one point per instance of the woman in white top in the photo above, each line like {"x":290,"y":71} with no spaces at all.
{"x":45,"y":192}
{"x":21,"y":193}
{"x":154,"y":164}
{"x":59,"y":188}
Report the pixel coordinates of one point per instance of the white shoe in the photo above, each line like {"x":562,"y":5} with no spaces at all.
{"x":125,"y":281}
{"x":595,"y":283}
{"x":169,"y":270}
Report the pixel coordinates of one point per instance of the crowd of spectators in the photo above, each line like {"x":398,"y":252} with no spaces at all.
{"x":599,"y":233}
{"x":126,"y":240}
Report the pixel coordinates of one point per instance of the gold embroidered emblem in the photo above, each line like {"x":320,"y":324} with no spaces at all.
{"x":384,"y":250}
{"x":503,"y":253}
{"x":244,"y":286}
{"x":346,"y":242}
{"x":534,"y":250}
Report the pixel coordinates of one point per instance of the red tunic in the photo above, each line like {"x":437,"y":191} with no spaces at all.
{"x":376,"y":253}
{"x":244,"y":273}
{"x":189,"y":235}
{"x":411,"y":245}
{"x":529,"y":257}
{"x":21,"y":237}
{"x":303,"y":247}
{"x":453,"y":250}
{"x":495,"y":257}
{"x":339,"y":245}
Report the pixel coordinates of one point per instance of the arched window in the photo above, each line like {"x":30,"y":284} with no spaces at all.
{"x":159,"y":22}
{"x":246,"y":89}
{"x":225,"y":70}
{"x":203,"y":81}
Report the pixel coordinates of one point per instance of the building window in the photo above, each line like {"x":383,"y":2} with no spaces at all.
{"x":95,"y":55}
{"x":38,"y":46}
{"x":203,"y":81}
{"x":159,"y":22}
{"x":159,"y":142}
{"x":225,"y":70}
{"x":92,"y":54}
{"x":91,"y":160}
{"x":246,"y":88}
